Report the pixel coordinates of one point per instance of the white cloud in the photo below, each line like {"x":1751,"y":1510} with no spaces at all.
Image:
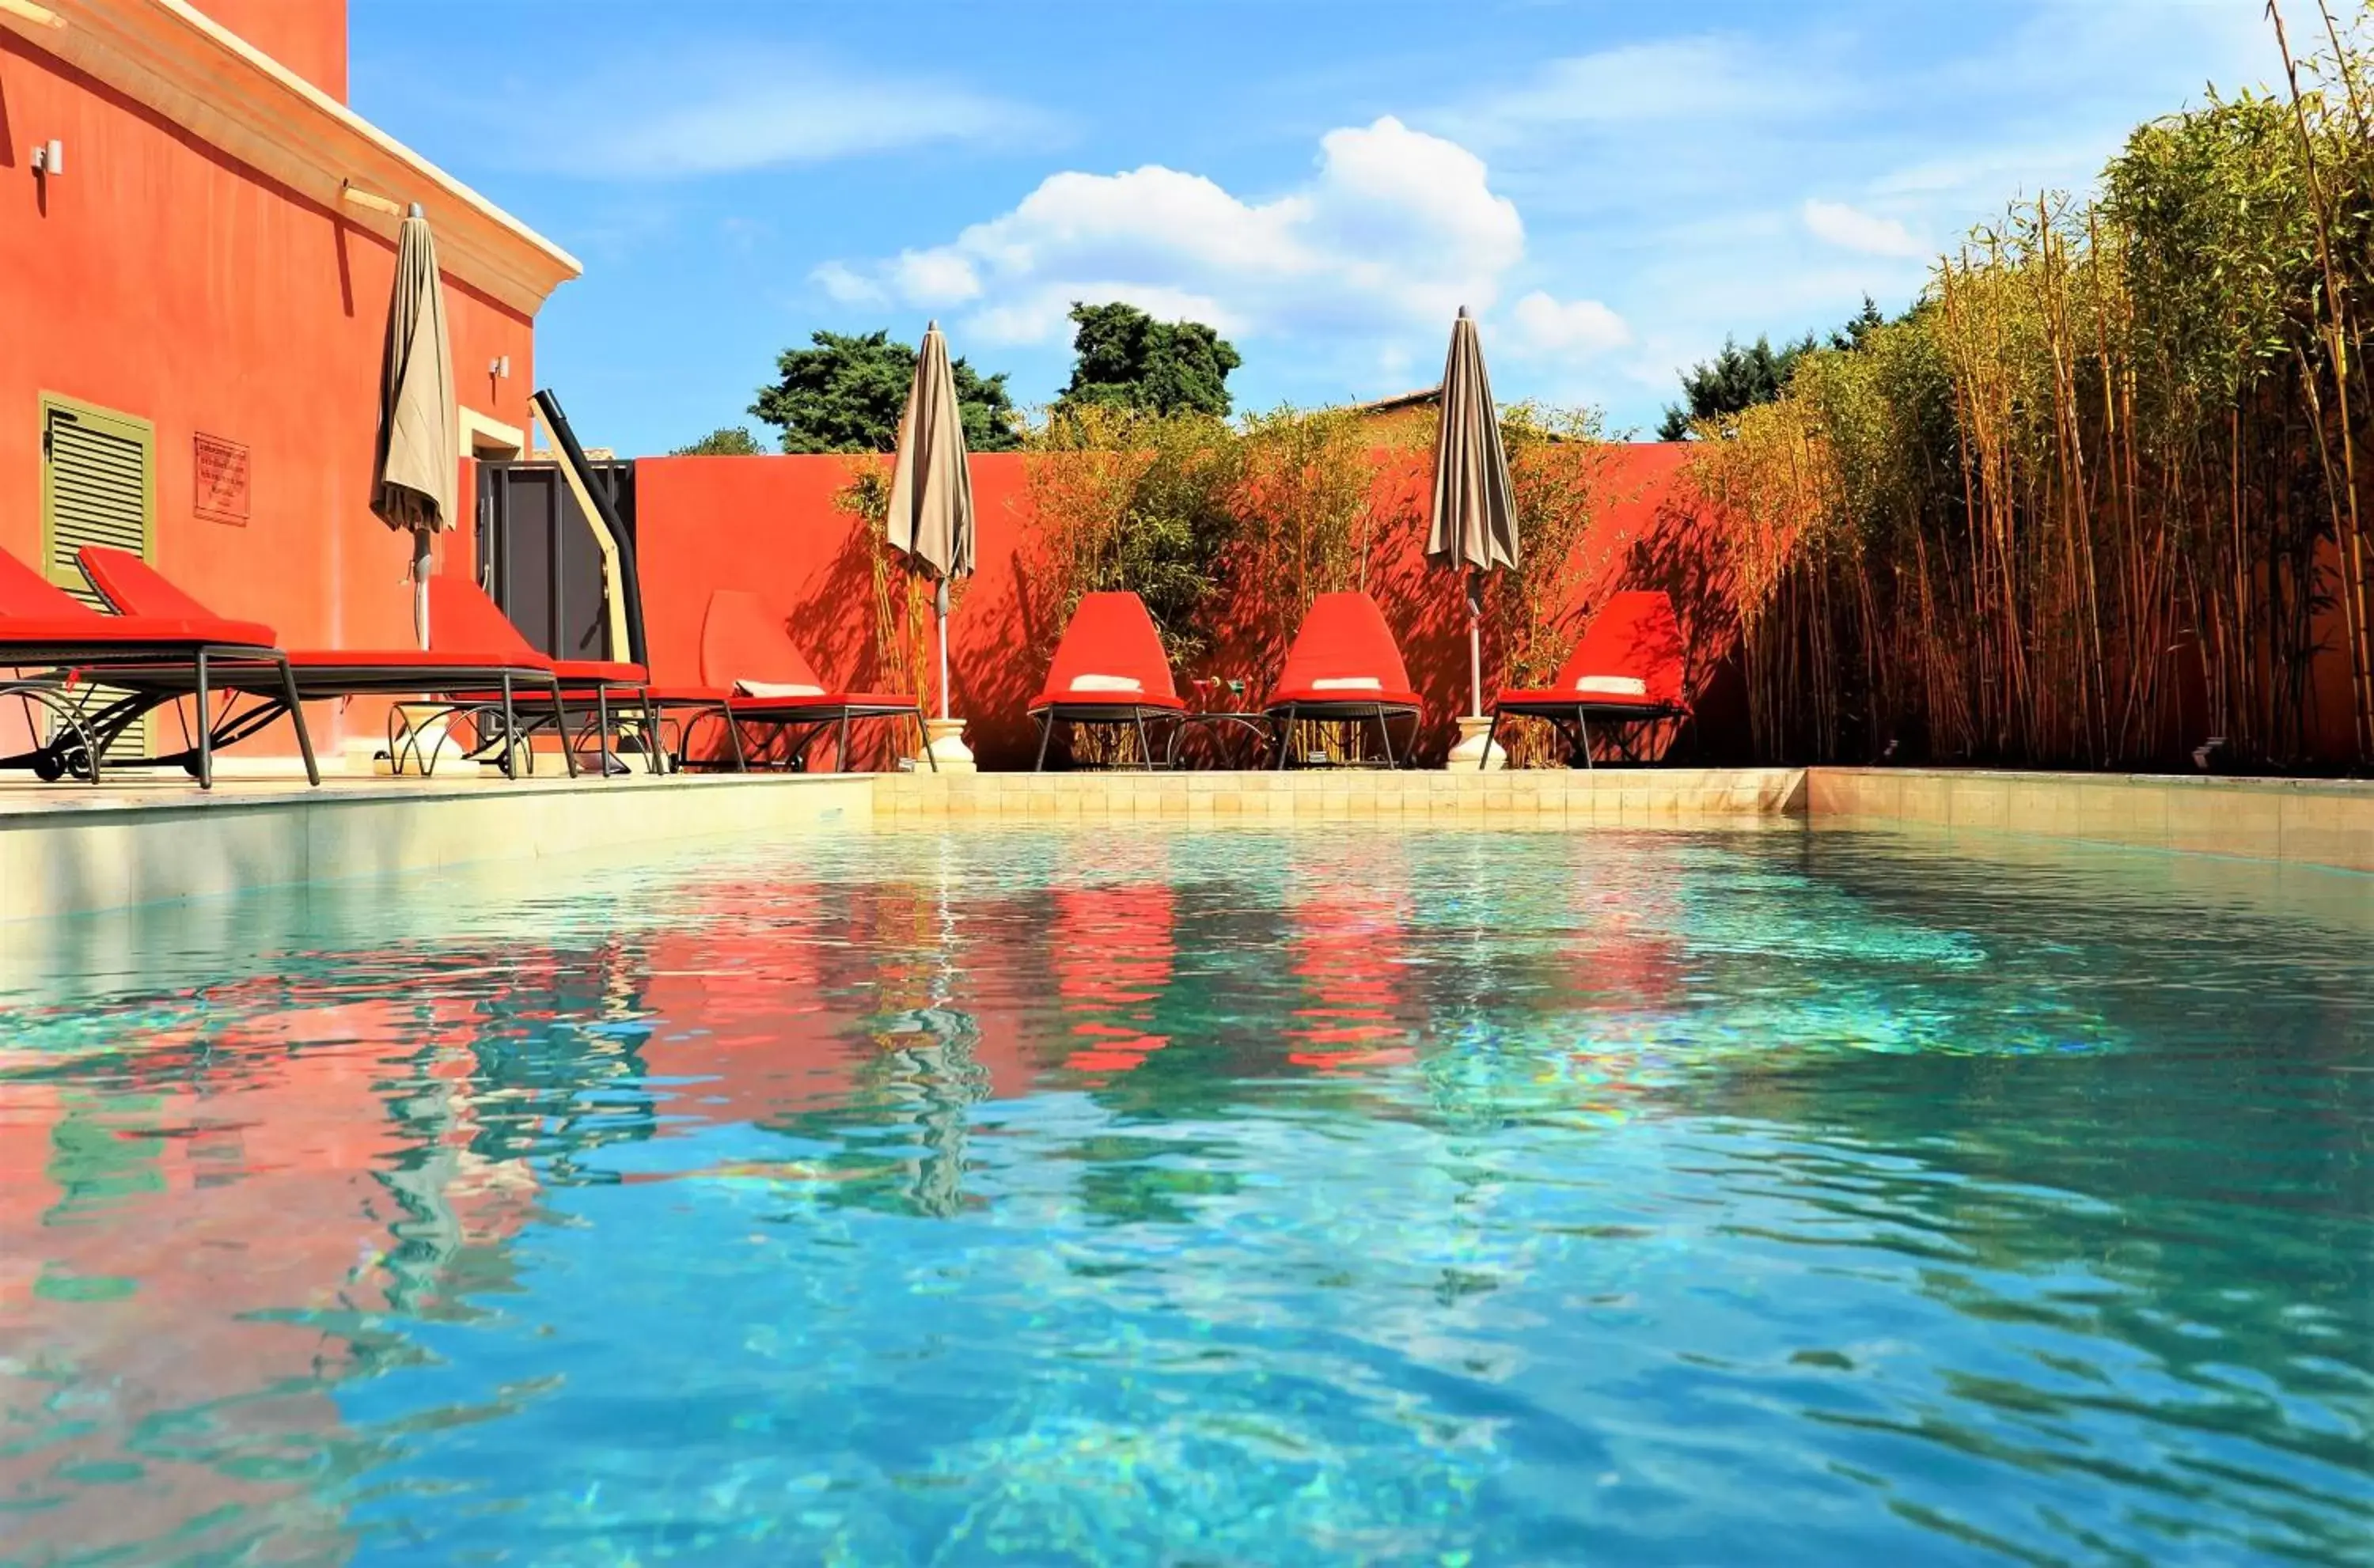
{"x":1393,"y":231}
{"x":749,"y":111}
{"x":848,"y":287}
{"x":1853,"y":229}
{"x":1668,"y":80}
{"x":940,"y":276}
{"x":1545,"y":327}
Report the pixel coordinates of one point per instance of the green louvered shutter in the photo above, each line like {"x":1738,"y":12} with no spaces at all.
{"x":99,"y":487}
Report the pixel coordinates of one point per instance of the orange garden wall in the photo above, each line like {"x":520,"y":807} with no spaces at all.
{"x":161,"y":279}
{"x":768,"y":525}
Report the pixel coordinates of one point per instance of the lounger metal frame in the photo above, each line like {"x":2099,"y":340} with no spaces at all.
{"x":146,"y":690}
{"x":140,"y":677}
{"x":592,"y":702}
{"x":1112,"y":715}
{"x":785,"y":733}
{"x":1623,"y":721}
{"x":1287,"y":715}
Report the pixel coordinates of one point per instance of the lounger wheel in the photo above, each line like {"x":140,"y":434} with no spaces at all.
{"x":49,"y":767}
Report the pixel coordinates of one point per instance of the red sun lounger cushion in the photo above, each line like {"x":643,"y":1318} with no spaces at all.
{"x":131,"y":584}
{"x":462,"y":617}
{"x":34,"y":611}
{"x":1631,"y":656}
{"x":608,"y":672}
{"x":1345,"y":653}
{"x":464,"y":659}
{"x":747,"y":657}
{"x":743,"y":647}
{"x":1110,"y":657}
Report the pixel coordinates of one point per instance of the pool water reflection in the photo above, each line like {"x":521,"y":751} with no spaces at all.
{"x":1223,"y":1198}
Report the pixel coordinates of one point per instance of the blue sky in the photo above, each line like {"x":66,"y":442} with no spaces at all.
{"x":1612,"y":188}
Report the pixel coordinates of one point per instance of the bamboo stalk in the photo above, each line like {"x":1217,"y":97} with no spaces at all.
{"x":2332,"y":318}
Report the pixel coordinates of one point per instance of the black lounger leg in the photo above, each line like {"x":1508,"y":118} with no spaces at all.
{"x":924,"y":733}
{"x":655,"y":743}
{"x":840,"y":746}
{"x":1285,"y":736}
{"x":602,"y":717}
{"x":560,"y":724}
{"x":1046,"y":734}
{"x":206,"y":729}
{"x":297,"y":719}
{"x":511,"y":734}
{"x":1144,"y":749}
{"x":1491,"y":737}
{"x":1385,"y":735}
{"x":1582,"y":728}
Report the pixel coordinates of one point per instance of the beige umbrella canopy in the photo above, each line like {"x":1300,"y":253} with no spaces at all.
{"x":1474,"y":515}
{"x":420,"y":441}
{"x":931,"y":489}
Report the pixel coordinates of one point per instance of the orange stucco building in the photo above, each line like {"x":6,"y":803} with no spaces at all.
{"x":197,"y":294}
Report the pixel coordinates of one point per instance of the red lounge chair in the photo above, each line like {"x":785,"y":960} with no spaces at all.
{"x":1343,"y":666}
{"x":139,"y":590}
{"x":1110,"y":669}
{"x":127,"y":664}
{"x":462,"y":617}
{"x":1625,"y":670}
{"x":763,"y":690}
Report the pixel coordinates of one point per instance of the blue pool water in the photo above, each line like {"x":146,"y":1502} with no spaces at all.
{"x":1356,"y":1196}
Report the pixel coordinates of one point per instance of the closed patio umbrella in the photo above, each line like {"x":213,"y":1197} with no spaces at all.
{"x":419,"y":440}
{"x":1474,"y":515}
{"x":931,"y":490}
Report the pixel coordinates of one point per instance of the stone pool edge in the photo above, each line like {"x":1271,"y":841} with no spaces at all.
{"x":66,"y":853}
{"x":81,"y":853}
{"x":2326,"y":823}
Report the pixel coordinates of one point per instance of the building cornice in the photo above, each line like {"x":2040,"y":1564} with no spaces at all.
{"x":187,"y":67}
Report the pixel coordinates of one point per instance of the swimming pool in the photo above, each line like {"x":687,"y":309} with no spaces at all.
{"x":1143,"y":1197}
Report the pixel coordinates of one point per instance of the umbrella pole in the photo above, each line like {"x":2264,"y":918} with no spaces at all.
{"x":420,"y":586}
{"x":1475,"y":644}
{"x":940,"y":615}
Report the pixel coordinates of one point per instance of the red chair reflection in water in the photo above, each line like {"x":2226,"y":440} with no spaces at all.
{"x":1114,"y":948}
{"x":1347,"y":933}
{"x":744,"y":1020}
{"x":168,"y":1243}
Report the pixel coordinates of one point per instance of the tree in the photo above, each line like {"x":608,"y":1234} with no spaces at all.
{"x":1859,"y":326}
{"x":845,"y":393}
{"x":1739,"y":379}
{"x":1124,"y":357}
{"x":726,"y":441}
{"x":1732,"y":383}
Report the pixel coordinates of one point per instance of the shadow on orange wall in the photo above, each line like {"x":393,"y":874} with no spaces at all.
{"x":771,"y":525}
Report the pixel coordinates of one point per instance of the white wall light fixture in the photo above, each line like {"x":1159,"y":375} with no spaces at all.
{"x":50,"y":158}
